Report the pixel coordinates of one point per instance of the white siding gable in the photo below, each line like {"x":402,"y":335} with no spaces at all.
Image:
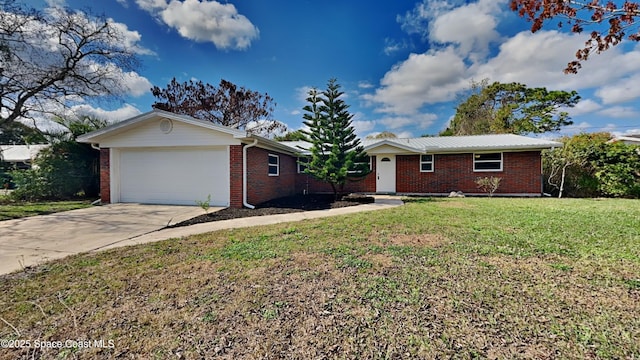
{"x":386,"y":149}
{"x":150,"y":133}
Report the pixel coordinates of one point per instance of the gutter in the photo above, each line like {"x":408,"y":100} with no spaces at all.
{"x":244,"y":174}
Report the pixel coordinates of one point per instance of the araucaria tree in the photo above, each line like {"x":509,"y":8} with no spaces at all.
{"x":578,"y":14}
{"x":51,"y":59}
{"x":511,"y":109}
{"x":336,"y":153}
{"x":226,"y":104}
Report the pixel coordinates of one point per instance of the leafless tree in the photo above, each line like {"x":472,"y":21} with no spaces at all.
{"x":227,"y":104}
{"x":56,"y":57}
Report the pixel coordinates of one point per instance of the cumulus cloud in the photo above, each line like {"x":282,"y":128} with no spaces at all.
{"x":428,"y":78}
{"x":621,"y":91}
{"x":151,"y":5}
{"x":463,"y":39}
{"x":421,"y":121}
{"x":135,"y":84}
{"x":583,"y":107}
{"x":130,"y":39}
{"x":112,"y":116}
{"x":205,"y":21}
{"x":620,"y":112}
{"x":471,"y":26}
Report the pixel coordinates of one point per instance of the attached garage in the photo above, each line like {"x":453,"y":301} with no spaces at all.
{"x":164,"y":158}
{"x":178,"y":176}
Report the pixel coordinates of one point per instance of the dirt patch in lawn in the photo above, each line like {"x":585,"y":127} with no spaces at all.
{"x":431,"y":240}
{"x":284,"y":205}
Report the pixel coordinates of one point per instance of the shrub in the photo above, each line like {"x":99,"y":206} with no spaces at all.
{"x":488,"y":184}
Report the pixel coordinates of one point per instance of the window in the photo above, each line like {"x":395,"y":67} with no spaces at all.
{"x":426,"y":163}
{"x":302,"y":164}
{"x":274,"y":165}
{"x":369,"y":163}
{"x":487,"y":162}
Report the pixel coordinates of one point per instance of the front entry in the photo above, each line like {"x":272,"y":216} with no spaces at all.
{"x":385,"y":173}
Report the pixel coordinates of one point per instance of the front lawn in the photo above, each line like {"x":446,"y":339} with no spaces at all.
{"x":462,"y":278}
{"x":14,"y":210}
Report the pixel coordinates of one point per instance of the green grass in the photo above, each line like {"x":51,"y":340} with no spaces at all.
{"x":438,"y":278}
{"x":14,"y":210}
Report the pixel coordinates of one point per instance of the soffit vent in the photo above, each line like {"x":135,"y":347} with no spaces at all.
{"x":166,"y":126}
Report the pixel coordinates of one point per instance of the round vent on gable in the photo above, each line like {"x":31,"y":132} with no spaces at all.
{"x":166,"y":126}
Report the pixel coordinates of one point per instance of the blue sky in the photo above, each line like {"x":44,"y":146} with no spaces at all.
{"x":402,"y":64}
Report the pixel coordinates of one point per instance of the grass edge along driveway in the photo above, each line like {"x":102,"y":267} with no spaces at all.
{"x":465,"y":278}
{"x":15,"y":210}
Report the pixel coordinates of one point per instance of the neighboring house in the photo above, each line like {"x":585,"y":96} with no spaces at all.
{"x":20,"y":156}
{"x":628,"y":139}
{"x":164,"y":158}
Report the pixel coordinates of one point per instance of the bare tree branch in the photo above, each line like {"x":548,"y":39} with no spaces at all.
{"x":59,"y":57}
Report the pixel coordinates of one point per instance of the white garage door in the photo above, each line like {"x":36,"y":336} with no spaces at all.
{"x":174,"y":176}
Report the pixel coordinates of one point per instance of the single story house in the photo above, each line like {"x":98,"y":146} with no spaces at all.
{"x":20,"y":156}
{"x":164,"y":158}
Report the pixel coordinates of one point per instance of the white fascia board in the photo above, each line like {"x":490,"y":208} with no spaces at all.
{"x":95,"y":136}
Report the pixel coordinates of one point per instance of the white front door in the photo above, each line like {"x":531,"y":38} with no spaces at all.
{"x":386,"y":173}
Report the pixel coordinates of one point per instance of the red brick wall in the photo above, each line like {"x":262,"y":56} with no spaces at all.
{"x":105,"y":182}
{"x":262,"y":187}
{"x":235,"y":176}
{"x":312,"y":185}
{"x":454,"y":172}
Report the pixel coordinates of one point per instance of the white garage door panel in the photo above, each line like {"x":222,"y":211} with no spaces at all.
{"x":174,"y":176}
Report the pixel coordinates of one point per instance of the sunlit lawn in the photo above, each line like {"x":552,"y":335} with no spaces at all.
{"x":465,"y":278}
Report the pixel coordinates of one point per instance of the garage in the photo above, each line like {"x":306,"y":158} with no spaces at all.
{"x":176,"y":175}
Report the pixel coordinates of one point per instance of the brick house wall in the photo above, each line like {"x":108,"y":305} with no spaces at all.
{"x":311,"y":185}
{"x":260,"y":186}
{"x":105,"y":181}
{"x":235,"y":176}
{"x":454,"y":172}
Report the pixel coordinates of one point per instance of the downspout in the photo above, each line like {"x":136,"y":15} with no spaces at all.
{"x":244,"y":174}
{"x":95,"y":146}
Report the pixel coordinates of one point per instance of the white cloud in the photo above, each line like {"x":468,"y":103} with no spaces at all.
{"x":620,"y":91}
{"x":362,"y":126}
{"x":583,"y":107}
{"x":392,"y":46}
{"x":125,"y":112}
{"x":472,"y":27}
{"x":426,"y":78}
{"x":135,"y":84}
{"x":365,"y":85}
{"x":207,"y":21}
{"x":130,"y":39}
{"x":421,"y":121}
{"x":620,"y":112}
{"x":151,"y":5}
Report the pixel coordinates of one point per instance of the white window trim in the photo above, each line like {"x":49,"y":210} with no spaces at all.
{"x":306,"y":163}
{"x":488,"y":161}
{"x":277,"y":165}
{"x":432,"y":162}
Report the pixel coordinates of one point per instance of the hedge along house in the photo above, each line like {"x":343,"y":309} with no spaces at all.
{"x":163,"y":158}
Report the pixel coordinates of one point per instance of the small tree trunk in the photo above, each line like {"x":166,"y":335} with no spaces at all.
{"x":564,"y":171}
{"x":335,"y":192}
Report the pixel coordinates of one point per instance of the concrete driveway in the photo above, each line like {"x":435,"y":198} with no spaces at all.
{"x":32,"y":240}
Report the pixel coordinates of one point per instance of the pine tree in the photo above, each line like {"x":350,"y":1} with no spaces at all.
{"x":336,"y":153}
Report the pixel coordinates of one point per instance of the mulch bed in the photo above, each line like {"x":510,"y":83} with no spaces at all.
{"x":283,"y":205}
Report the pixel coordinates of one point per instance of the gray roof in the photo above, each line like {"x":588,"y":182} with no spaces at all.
{"x":442,"y":144}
